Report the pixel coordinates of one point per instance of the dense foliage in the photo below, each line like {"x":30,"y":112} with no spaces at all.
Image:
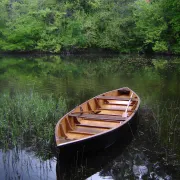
{"x":66,"y":25}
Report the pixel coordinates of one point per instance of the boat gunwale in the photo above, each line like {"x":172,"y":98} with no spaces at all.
{"x":98,"y":134}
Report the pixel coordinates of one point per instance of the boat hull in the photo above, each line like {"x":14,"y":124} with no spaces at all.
{"x":97,"y":123}
{"x":76,"y":150}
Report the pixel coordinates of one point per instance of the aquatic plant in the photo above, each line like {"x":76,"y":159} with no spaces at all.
{"x":164,"y":125}
{"x":28,"y":118}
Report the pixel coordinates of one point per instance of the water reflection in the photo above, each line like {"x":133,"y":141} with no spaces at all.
{"x":131,"y":166}
{"x":81,"y":166}
{"x":22,"y":164}
{"x":156,"y":80}
{"x":97,"y":176}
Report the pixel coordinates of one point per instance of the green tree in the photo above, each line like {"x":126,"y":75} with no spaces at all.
{"x":120,"y":25}
{"x":150,"y":25}
{"x":172,"y":17}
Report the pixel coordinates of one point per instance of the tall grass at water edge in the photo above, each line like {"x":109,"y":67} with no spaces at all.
{"x":28,"y":117}
{"x":164,"y":125}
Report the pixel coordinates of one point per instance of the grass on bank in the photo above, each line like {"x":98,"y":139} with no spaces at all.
{"x":28,"y":117}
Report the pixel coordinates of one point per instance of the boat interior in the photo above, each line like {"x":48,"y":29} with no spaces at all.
{"x":97,"y":115}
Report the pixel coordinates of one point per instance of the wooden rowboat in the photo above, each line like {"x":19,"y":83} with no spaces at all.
{"x":97,"y":122}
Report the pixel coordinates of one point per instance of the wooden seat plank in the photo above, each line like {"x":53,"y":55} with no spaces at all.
{"x":108,"y":112}
{"x":100,"y":123}
{"x":103,"y":117}
{"x":87,"y":129}
{"x":94,"y":126}
{"x":75,"y":114}
{"x":105,"y":120}
{"x":118,"y":103}
{"x":81,"y":132}
{"x":77,"y":135}
{"x":116,"y":98}
{"x":114,"y":109}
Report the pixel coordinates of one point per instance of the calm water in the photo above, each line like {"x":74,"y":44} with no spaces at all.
{"x":155,"y":80}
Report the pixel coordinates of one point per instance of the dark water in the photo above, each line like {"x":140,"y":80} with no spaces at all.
{"x":155,"y":80}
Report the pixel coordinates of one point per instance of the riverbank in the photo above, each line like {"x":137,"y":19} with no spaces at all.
{"x":85,"y":52}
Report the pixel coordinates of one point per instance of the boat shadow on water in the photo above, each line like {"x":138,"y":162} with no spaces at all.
{"x":79,"y":163}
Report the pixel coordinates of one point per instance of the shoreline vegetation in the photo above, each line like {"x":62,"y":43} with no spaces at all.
{"x":67,"y":27}
{"x":84,"y":52}
{"x":28,"y":119}
{"x":161,"y":124}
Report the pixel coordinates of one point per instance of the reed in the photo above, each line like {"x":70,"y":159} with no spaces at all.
{"x":165,"y":124}
{"x":28,"y":118}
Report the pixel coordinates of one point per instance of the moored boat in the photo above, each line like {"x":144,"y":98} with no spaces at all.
{"x":98,"y":122}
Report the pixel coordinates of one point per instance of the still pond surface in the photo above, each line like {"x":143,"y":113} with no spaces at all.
{"x":150,"y":155}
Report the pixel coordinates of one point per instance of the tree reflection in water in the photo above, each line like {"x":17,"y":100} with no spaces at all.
{"x":23,"y":164}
